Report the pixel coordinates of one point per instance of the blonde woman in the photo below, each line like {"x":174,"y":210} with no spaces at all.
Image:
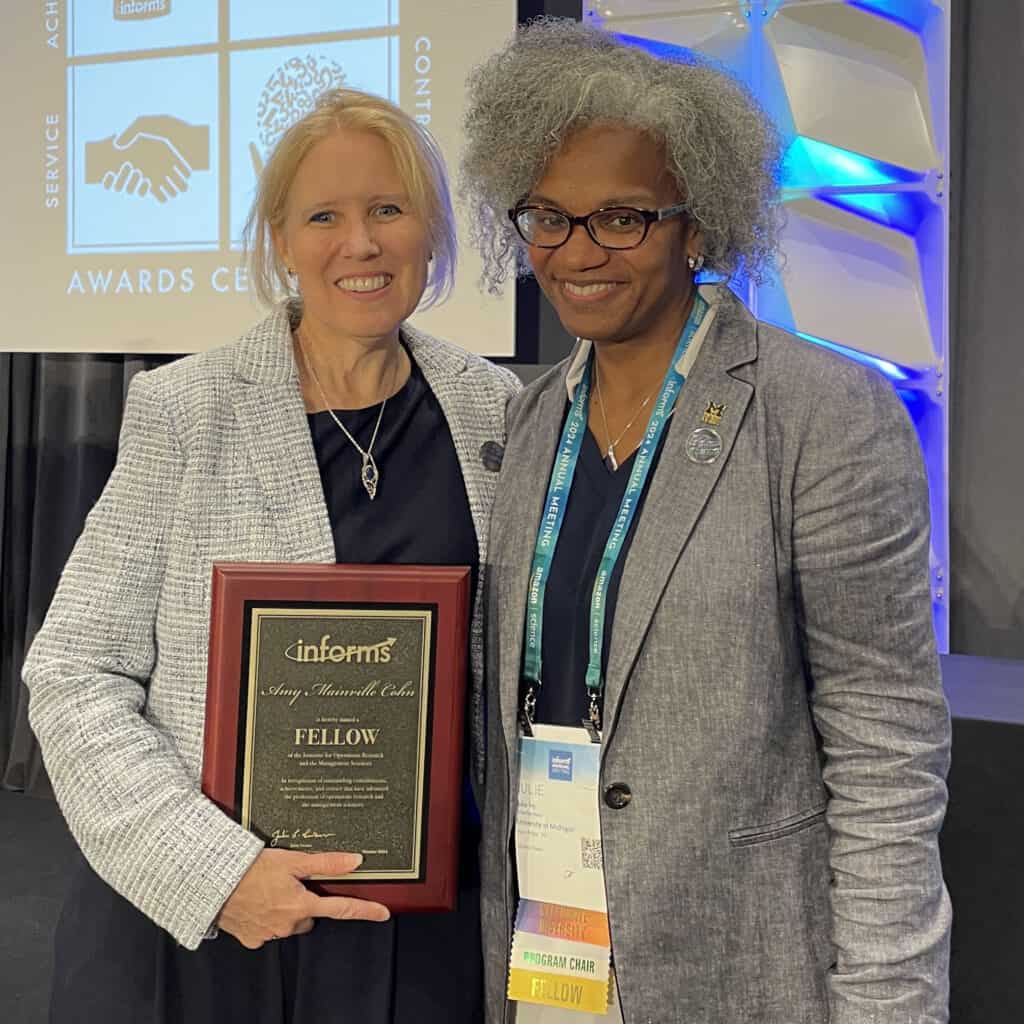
{"x":258,"y":452}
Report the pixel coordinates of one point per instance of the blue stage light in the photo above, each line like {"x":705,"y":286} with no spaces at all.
{"x":810,"y":164}
{"x":903,"y":211}
{"x":663,"y":51}
{"x":891,"y":370}
{"x":910,"y":13}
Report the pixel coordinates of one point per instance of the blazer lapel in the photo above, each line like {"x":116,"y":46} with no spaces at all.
{"x":271,"y":418}
{"x":679,"y":490}
{"x":525,"y":474}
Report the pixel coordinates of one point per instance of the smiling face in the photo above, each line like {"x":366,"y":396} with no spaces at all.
{"x":601,"y":294}
{"x":351,"y":236}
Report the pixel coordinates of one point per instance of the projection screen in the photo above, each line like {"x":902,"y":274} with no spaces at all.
{"x":106,"y":99}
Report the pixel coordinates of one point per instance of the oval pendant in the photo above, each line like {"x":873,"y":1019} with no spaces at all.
{"x":370,"y":475}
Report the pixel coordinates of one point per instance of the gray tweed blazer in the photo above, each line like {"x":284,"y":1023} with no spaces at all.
{"x":772,"y":701}
{"x":215,"y":464}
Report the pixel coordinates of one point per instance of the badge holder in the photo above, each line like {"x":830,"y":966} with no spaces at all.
{"x":561,"y":946}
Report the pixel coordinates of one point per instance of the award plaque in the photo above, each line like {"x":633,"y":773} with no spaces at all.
{"x":334,"y":718}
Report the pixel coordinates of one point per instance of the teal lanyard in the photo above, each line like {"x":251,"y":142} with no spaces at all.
{"x":559,"y":486}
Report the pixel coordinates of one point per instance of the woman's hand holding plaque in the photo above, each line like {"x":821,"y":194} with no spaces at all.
{"x":270,"y":902}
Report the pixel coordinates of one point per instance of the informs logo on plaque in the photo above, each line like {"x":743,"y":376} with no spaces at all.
{"x":140,"y":10}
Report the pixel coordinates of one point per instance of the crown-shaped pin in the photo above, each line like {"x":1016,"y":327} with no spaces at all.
{"x":713,"y":413}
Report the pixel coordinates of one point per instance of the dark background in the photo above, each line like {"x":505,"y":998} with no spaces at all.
{"x":60,"y":415}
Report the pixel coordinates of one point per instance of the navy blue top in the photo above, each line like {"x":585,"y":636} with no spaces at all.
{"x":593,"y":504}
{"x":421,"y":514}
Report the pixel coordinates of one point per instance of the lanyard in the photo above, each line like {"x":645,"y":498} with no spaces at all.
{"x":560,"y":484}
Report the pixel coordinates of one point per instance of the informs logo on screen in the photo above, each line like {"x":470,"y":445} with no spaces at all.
{"x":560,"y":765}
{"x":137,"y":10}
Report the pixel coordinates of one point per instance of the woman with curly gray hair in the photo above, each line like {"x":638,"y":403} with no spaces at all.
{"x":719,"y":565}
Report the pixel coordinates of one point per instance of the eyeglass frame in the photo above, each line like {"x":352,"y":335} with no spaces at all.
{"x":649,"y":217}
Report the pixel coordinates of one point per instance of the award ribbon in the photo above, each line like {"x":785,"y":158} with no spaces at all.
{"x":560,"y":484}
{"x":561,"y":945}
{"x":549,"y":969}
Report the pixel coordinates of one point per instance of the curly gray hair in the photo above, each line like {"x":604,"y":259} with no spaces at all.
{"x":555,"y":76}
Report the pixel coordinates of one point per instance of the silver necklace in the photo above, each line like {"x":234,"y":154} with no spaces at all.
{"x":369,"y":474}
{"x":609,"y":455}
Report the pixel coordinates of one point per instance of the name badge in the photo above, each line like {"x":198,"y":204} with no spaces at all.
{"x":561,"y":947}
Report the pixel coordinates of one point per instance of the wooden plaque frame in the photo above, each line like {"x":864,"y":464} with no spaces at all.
{"x":242,"y":592}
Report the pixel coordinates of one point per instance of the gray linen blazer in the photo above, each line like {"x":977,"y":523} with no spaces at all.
{"x":215,"y":464}
{"x":772,"y":700}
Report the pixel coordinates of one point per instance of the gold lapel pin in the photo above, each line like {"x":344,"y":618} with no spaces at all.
{"x":713,"y":413}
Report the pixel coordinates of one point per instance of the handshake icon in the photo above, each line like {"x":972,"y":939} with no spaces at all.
{"x":154,"y":156}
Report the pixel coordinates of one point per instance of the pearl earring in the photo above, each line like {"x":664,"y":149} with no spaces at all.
{"x":695,"y":262}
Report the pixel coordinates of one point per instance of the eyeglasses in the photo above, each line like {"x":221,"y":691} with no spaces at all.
{"x":617,"y":227}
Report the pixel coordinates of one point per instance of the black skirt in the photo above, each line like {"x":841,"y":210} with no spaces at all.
{"x":112,"y":965}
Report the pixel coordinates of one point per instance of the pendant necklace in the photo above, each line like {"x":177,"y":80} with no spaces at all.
{"x":369,"y":474}
{"x":609,"y":456}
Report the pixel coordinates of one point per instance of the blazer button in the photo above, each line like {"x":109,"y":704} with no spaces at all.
{"x":617,"y":795}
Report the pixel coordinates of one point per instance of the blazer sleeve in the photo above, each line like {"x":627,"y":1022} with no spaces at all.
{"x":129,"y":799}
{"x":861,"y":566}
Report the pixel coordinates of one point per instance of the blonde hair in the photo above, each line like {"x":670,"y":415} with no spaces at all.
{"x":420,"y":166}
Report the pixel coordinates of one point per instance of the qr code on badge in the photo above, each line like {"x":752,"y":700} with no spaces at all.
{"x":590,"y":853}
